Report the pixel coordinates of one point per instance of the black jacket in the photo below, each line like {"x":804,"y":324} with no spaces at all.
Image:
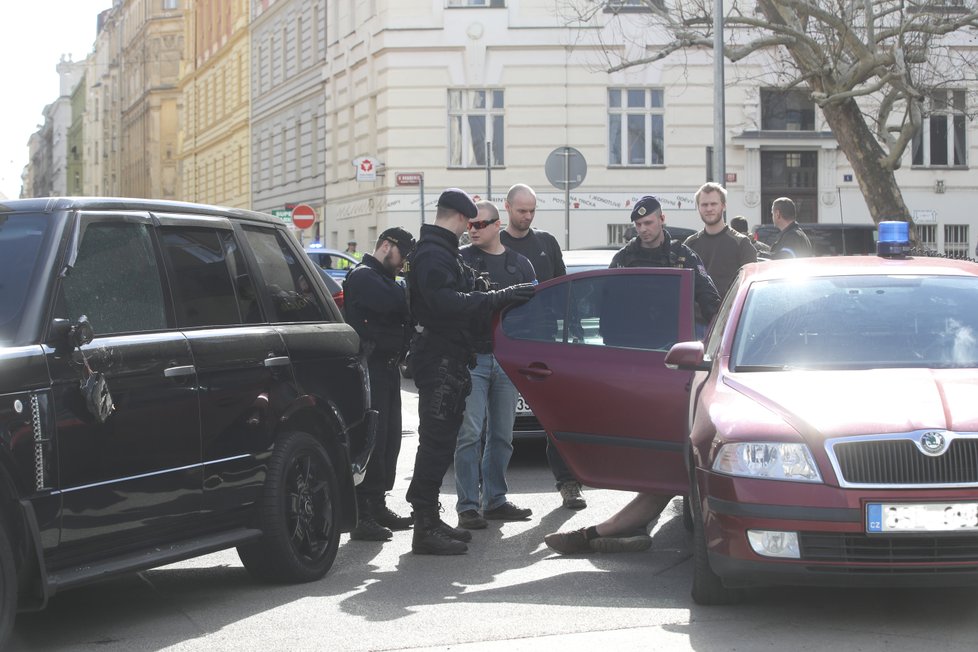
{"x":672,"y":253}
{"x":376,"y":307}
{"x":792,"y":239}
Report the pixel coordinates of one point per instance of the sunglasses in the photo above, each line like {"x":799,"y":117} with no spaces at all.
{"x":481,"y":224}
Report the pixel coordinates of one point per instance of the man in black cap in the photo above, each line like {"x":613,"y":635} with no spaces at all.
{"x":627,"y":530}
{"x":444,"y":301}
{"x":653,"y":247}
{"x":376,"y":307}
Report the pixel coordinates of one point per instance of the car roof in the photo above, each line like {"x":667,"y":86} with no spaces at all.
{"x":327,"y":250}
{"x":57,"y":204}
{"x":577,"y":257}
{"x":858,"y":266}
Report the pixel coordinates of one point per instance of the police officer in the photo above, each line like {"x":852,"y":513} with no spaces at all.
{"x":376,"y":307}
{"x":652,"y":247}
{"x":444,"y":301}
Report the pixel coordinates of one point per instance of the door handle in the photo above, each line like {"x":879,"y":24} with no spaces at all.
{"x":535,"y":372}
{"x":176,"y":372}
{"x":278,"y":361}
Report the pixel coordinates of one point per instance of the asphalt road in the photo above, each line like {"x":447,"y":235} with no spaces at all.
{"x":508,"y":593}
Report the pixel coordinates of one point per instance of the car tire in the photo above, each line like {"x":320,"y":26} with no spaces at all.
{"x":8,"y":586}
{"x":298,"y":514}
{"x":708,"y":588}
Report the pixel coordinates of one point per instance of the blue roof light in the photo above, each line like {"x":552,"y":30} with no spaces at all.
{"x":893,"y":240}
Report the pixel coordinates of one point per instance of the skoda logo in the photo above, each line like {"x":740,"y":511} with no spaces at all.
{"x":933,"y":443}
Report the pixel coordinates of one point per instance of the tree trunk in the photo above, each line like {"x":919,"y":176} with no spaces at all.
{"x":877,"y":183}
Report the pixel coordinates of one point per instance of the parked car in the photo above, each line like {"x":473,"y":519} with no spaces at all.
{"x":828,"y":239}
{"x":174,"y":380}
{"x":328,"y":259}
{"x":825,"y":430}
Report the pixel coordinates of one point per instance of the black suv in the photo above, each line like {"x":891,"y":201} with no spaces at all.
{"x":174,"y":380}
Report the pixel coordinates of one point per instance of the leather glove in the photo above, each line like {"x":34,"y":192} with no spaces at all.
{"x":513,"y":295}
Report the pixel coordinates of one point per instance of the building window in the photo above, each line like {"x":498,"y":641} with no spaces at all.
{"x":636,"y":119}
{"x":787,"y":110}
{"x":475,"y":118}
{"x":927,"y":236}
{"x":956,"y":240}
{"x":620,"y":234}
{"x":632,"y":6}
{"x":171,"y":4}
{"x":476,"y":3}
{"x":940,"y":141}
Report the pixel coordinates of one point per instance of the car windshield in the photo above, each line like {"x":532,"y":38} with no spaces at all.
{"x":21,"y":240}
{"x":858,"y":322}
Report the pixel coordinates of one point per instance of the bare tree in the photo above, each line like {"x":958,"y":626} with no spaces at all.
{"x":872,"y":66}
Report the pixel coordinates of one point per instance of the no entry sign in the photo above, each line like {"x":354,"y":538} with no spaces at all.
{"x":303,"y":216}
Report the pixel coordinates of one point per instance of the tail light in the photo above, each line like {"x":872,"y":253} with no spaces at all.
{"x":338,"y":298}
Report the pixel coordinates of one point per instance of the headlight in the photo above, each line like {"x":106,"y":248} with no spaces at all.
{"x":768,"y":460}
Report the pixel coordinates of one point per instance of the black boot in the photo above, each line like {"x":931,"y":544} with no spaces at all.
{"x":368,"y":529}
{"x":457,"y":534}
{"x":430,"y":537}
{"x":387,"y":517}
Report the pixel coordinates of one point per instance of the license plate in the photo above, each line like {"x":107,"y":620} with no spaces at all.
{"x":921,"y":517}
{"x":522,"y":407}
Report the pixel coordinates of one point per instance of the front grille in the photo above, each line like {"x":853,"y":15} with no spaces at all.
{"x":842,"y":547}
{"x":901,"y":462}
{"x":526,"y":424}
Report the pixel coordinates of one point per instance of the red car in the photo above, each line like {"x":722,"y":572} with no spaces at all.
{"x":826,"y":430}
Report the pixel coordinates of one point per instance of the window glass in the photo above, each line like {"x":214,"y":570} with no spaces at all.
{"x":211,"y":286}
{"x":636,"y":130}
{"x":475,"y":117}
{"x":639,"y":312}
{"x":21,"y":240}
{"x":289,"y":288}
{"x":115,"y":280}
{"x":860,"y":322}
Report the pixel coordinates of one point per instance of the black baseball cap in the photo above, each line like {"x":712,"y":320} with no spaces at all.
{"x":458,"y":200}
{"x":645,"y":206}
{"x":400,"y":238}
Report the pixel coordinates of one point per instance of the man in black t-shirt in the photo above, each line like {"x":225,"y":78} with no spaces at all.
{"x":491,"y":405}
{"x":543,"y":251}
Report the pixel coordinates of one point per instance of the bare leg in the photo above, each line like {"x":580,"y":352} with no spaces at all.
{"x":638,"y":513}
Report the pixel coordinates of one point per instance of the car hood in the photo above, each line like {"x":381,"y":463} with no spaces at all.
{"x":825,"y":404}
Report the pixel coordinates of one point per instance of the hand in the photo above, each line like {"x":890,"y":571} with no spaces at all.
{"x":513,"y":295}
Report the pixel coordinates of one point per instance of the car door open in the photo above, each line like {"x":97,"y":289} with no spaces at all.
{"x":587,"y":353}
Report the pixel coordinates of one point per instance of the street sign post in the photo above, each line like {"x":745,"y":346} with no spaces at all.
{"x":565,"y":169}
{"x":283,"y":214}
{"x":303,"y":216}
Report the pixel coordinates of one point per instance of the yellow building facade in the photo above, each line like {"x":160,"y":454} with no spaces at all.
{"x":215,"y":136}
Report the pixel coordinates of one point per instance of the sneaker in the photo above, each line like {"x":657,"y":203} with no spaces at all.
{"x":368,"y":529}
{"x":470,"y":520}
{"x":571,"y":493}
{"x":508,"y":512}
{"x":630,"y":543}
{"x":568,"y":543}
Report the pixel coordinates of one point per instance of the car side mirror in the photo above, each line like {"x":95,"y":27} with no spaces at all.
{"x":81,"y":333}
{"x":688,"y":356}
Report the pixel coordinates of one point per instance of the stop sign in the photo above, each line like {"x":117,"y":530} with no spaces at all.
{"x":303,"y":216}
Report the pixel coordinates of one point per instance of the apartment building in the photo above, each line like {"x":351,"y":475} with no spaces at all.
{"x":103,"y":108}
{"x":215,"y":130}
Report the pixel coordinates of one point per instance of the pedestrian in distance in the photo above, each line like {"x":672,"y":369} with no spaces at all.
{"x":627,"y":530}
{"x":739,"y":224}
{"x":722,"y":250}
{"x":351,"y":251}
{"x":376,"y":307}
{"x":543,"y":251}
{"x":792,"y":242}
{"x":481,"y":463}
{"x":445,"y":301}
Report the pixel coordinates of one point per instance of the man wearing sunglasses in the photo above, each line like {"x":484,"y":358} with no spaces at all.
{"x":377,"y":309}
{"x":491,"y":406}
{"x":445,"y":302}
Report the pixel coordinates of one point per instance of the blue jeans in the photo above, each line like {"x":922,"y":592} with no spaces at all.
{"x":492,"y":403}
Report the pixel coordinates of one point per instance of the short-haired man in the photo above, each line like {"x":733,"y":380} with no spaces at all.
{"x":627,"y":530}
{"x":445,"y":303}
{"x":490,"y":407}
{"x":544,"y":253}
{"x":792,"y":242}
{"x":722,"y":250}
{"x":740,"y":225}
{"x":377,"y":309}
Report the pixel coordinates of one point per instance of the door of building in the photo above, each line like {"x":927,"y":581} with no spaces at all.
{"x":791,"y":174}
